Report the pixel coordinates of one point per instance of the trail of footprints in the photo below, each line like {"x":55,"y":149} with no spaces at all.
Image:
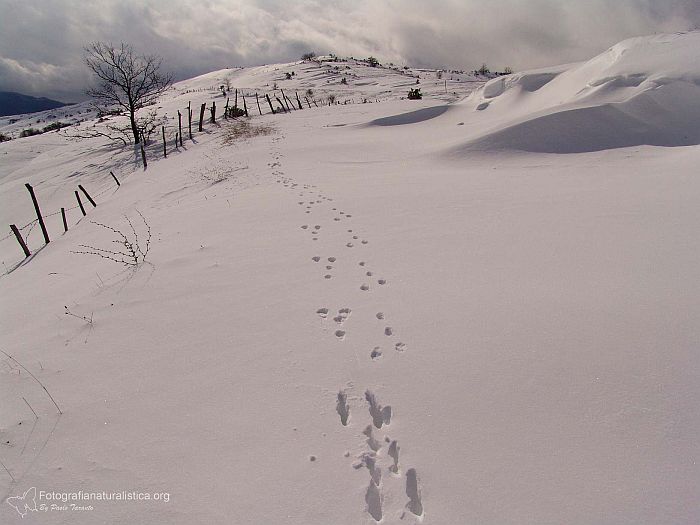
{"x":340,"y":333}
{"x":381,"y":451}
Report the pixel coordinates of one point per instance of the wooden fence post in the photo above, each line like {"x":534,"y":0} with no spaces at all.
{"x":298,"y":101}
{"x":314,"y":101}
{"x":65,"y":222}
{"x":201,"y":115}
{"x":284,"y":97}
{"x":177,"y":138}
{"x":281,"y":104}
{"x":235,"y":103}
{"x":179,"y":125}
{"x":270,"y":102}
{"x":189,"y":116}
{"x":245,"y":108}
{"x":165,"y":147}
{"x":226,"y":108}
{"x":38,"y":213}
{"x":80,"y":203}
{"x":213,"y":112}
{"x":307,"y":101}
{"x":115,"y":178}
{"x":21,"y":242}
{"x":94,"y":205}
{"x":258,"y":103}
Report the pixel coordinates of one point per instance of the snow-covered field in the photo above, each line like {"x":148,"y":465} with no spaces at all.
{"x":481,"y":307}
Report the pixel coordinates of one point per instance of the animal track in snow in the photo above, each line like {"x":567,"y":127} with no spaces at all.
{"x":364,"y":287}
{"x":331,"y":259}
{"x":393,"y":454}
{"x":388,"y":331}
{"x":372,"y":443}
{"x":369,"y":460}
{"x":369,"y":274}
{"x":415,"y":505}
{"x":381,"y":281}
{"x":380,"y":415}
{"x":342,"y":316}
{"x":362,"y":263}
{"x":343,"y":409}
{"x":376,"y":353}
{"x":400,"y":347}
{"x":316,"y":258}
{"x":327,"y":276}
{"x":322,"y":312}
{"x":380,"y":315}
{"x":340,"y":334}
{"x":373,"y":498}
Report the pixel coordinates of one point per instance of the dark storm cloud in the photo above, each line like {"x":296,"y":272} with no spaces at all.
{"x":41,"y":41}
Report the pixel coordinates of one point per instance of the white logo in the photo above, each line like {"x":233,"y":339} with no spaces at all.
{"x":24,"y":503}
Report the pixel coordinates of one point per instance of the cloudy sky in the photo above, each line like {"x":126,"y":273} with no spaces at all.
{"x":41,"y":41}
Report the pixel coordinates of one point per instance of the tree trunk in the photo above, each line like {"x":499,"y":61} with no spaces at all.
{"x":134,"y":127}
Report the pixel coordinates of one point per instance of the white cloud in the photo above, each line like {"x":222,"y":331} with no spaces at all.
{"x":41,"y":42}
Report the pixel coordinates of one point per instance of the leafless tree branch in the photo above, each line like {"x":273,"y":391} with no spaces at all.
{"x":125,"y":79}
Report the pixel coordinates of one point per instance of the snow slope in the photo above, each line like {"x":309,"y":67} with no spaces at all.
{"x":531,"y":319}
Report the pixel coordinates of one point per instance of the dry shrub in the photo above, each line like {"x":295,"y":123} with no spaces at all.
{"x":242,"y":129}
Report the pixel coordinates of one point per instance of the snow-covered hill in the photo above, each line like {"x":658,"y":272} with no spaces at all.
{"x":394,"y":311}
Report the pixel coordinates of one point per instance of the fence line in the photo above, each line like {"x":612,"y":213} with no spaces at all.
{"x":230,"y":112}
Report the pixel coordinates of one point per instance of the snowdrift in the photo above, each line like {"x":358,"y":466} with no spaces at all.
{"x":641,"y":91}
{"x":412,"y":117}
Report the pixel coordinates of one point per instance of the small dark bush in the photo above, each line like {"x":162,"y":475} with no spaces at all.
{"x":30,"y":132}
{"x":54,"y":127}
{"x":235,"y":112}
{"x":414,"y":94}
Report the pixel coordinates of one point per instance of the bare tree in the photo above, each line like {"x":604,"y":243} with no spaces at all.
{"x":145,"y":123}
{"x":125,"y":79}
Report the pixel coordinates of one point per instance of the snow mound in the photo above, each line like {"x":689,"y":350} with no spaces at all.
{"x":411,"y":117}
{"x":642,"y":91}
{"x":528,"y":81}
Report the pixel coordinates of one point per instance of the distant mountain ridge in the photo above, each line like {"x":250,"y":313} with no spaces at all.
{"x":16,"y":103}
